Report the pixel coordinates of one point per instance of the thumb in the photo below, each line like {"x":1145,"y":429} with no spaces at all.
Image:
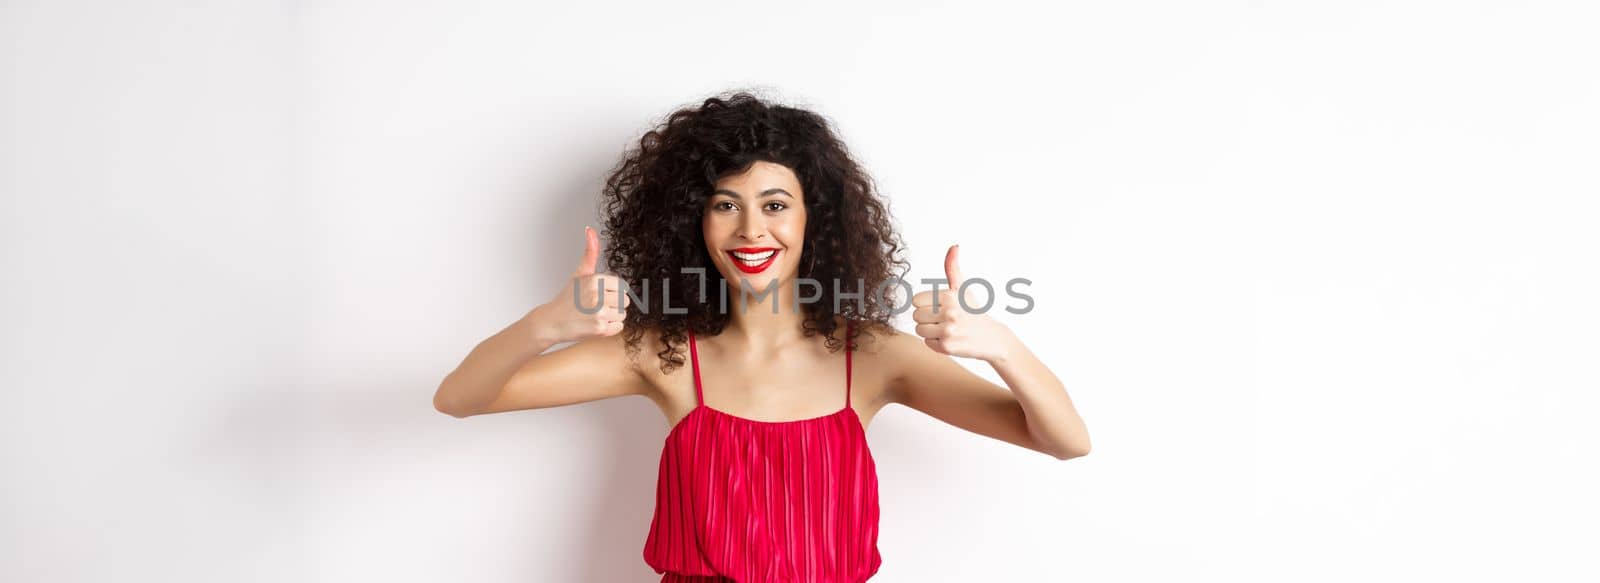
{"x":591,"y":253}
{"x":952,"y":271}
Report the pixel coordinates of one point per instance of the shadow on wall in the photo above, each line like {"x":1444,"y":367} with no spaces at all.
{"x":342,"y":469}
{"x":620,"y":509}
{"x":592,"y":465}
{"x":623,"y":436}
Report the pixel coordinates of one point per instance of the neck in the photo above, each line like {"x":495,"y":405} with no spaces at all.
{"x":753,"y":323}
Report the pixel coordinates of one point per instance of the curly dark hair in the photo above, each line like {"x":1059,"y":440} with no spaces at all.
{"x":655,"y":199}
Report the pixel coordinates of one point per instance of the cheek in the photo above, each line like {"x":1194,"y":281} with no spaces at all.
{"x":714,"y":226}
{"x":792,"y":227}
{"x":709,"y":234}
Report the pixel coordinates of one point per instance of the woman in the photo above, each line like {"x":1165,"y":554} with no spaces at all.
{"x":720,"y":216}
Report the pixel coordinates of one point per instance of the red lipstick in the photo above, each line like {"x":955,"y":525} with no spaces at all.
{"x":757,"y":268}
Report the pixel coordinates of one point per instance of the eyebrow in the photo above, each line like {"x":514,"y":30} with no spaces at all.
{"x":767,"y":192}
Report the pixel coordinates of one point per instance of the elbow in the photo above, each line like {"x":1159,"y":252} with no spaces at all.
{"x":1072,"y":452}
{"x":1058,"y":450}
{"x":444,"y":404}
{"x":448,"y":411}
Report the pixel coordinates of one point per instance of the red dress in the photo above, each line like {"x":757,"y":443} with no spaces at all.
{"x":746,"y":501}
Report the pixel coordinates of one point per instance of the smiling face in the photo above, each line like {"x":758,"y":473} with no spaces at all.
{"x":755,"y":226}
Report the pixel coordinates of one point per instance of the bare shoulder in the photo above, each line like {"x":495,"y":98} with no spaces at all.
{"x":875,"y":336}
{"x":899,"y":356}
{"x":647,"y":357}
{"x":667,"y":386}
{"x":880,"y":360}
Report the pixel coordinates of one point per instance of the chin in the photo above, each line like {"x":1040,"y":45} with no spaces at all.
{"x":757,"y":281}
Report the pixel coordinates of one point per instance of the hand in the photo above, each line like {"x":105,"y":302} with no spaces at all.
{"x":560,"y":320}
{"x":952,"y":330}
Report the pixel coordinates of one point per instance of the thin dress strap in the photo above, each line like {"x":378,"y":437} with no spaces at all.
{"x":847,"y":351}
{"x":694,"y":358}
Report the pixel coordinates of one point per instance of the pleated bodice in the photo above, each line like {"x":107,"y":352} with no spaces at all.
{"x":748,"y":501}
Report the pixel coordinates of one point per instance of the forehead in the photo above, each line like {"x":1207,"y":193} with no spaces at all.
{"x":761,"y":175}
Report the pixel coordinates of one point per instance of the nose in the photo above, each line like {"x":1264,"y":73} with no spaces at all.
{"x":752,"y":228}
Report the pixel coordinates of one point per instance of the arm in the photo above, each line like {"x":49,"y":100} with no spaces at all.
{"x":509,"y":372}
{"x":1032,"y":411}
{"x":1035,"y":413}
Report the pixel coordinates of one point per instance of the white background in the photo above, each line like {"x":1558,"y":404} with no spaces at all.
{"x":1321,"y":278}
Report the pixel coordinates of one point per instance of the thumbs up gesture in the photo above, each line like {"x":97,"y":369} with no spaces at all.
{"x":571,"y":316}
{"x":949,"y":328}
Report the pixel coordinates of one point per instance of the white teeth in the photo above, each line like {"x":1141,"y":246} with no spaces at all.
{"x":753,"y":259}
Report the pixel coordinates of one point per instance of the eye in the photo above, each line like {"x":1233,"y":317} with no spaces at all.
{"x":780,"y":206}
{"x":719,"y":205}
